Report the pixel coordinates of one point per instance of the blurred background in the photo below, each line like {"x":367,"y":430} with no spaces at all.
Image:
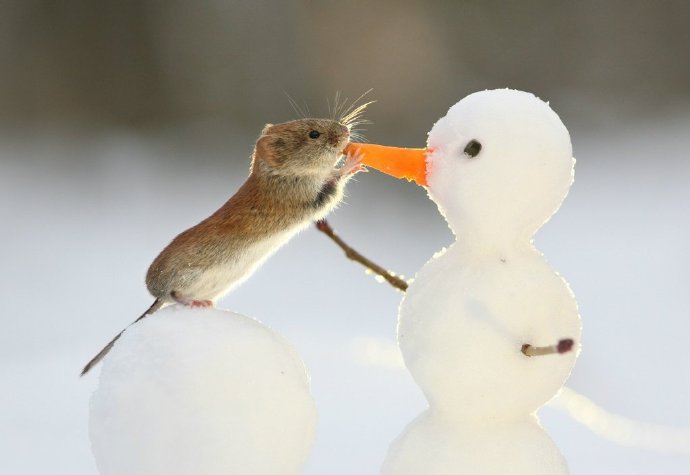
{"x":124,"y":122}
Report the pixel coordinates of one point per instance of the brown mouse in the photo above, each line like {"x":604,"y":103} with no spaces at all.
{"x":293,"y":182}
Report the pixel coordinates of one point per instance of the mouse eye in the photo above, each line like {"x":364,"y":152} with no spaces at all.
{"x":473,"y":148}
{"x":314,"y":134}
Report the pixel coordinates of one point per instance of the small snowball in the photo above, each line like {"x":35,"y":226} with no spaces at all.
{"x":433,"y":446}
{"x":201,"y":391}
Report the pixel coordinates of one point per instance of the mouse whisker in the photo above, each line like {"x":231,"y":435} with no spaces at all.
{"x":357,"y":137}
{"x":353,"y":110}
{"x":354,"y":103}
{"x":357,"y":122}
{"x":355,"y":115}
{"x":339,"y":105}
{"x":298,"y":110}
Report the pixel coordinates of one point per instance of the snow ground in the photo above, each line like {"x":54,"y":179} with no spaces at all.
{"x":78,"y":235}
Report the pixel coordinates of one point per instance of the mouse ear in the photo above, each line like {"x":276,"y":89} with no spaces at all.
{"x":263,"y":150}
{"x":264,"y":131}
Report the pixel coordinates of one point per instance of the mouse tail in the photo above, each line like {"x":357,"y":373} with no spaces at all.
{"x":157,"y":304}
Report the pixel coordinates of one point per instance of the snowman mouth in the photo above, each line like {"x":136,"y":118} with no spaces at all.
{"x":408,"y":163}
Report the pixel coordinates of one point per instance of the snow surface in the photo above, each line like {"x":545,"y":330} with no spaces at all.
{"x":201,"y":391}
{"x":84,"y":214}
{"x":622,"y":430}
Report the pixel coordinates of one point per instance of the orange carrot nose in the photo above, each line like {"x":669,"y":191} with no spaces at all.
{"x":409,"y":163}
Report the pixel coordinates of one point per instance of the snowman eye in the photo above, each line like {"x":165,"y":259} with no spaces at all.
{"x":473,"y":148}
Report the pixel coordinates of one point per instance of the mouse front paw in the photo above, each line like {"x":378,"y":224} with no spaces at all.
{"x":353,"y":164}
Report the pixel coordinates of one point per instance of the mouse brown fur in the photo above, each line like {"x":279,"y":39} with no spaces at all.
{"x":293,"y":182}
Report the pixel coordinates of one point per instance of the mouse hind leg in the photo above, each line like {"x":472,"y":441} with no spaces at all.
{"x":179,"y":298}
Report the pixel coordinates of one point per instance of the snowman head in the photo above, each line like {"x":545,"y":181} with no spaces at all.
{"x":499,"y":164}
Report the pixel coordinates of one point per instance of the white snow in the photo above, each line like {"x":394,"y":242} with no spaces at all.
{"x":201,"y":391}
{"x":108,"y":205}
{"x":470,"y":309}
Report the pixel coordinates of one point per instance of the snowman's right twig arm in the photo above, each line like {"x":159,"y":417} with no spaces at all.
{"x":395,"y":281}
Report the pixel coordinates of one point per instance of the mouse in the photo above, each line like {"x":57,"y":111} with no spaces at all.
{"x":294,"y":180}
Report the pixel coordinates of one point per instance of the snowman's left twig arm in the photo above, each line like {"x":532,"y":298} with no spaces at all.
{"x":395,"y":281}
{"x":563,"y":346}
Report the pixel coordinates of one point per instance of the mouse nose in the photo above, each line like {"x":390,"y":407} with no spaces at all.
{"x":337,"y":137}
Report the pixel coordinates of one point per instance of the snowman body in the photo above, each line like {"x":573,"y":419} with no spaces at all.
{"x":462,"y":325}
{"x":470,"y":309}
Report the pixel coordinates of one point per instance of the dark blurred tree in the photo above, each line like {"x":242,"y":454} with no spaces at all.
{"x":153,"y":62}
{"x":80,"y":60}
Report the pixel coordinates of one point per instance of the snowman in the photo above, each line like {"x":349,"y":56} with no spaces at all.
{"x":487,"y":327}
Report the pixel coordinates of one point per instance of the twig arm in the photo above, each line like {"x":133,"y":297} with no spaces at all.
{"x":350,"y":253}
{"x":563,"y":346}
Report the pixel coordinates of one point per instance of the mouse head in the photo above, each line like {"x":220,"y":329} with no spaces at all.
{"x":300,"y":147}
